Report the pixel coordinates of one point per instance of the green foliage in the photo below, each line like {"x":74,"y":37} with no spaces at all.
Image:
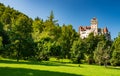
{"x":77,"y":51}
{"x":102,"y":53}
{"x":90,"y":44}
{"x":68,"y":35}
{"x":23,"y":25}
{"x":38,"y":26}
{"x":115,"y":60}
{"x":43,"y":51}
{"x":1,"y":46}
{"x":23,"y":29}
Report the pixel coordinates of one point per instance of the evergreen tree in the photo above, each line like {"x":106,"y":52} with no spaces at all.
{"x":115,"y":60}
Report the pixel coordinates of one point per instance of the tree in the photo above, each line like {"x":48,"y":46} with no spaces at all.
{"x":68,"y":35}
{"x":90,"y":47}
{"x":102,"y":53}
{"x":56,"y":50}
{"x":51,"y":18}
{"x":38,"y":27}
{"x":1,"y":46}
{"x":115,"y":60}
{"x":22,"y":33}
{"x":4,"y":39}
{"x":2,"y":8}
{"x":43,"y":48}
{"x":77,"y":50}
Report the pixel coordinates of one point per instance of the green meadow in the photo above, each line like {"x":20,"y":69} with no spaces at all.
{"x":53,"y":67}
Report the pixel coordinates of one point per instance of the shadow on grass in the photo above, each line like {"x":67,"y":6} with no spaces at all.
{"x":7,"y":71}
{"x":46,"y":63}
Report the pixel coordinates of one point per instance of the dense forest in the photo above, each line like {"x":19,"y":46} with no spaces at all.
{"x":22,"y":37}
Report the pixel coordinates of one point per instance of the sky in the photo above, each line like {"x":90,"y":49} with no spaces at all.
{"x":75,"y":12}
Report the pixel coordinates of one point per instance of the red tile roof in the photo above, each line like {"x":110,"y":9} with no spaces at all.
{"x":81,"y":28}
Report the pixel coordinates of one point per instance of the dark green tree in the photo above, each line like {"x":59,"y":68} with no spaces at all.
{"x":22,"y":31}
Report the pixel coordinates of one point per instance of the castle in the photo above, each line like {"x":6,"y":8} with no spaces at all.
{"x":84,"y":31}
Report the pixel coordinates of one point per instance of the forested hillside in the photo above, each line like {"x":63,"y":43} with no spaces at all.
{"x":36,"y":39}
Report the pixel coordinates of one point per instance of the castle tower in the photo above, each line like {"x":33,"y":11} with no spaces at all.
{"x":94,"y":25}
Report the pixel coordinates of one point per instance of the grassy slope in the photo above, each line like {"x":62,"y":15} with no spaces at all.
{"x":24,"y":68}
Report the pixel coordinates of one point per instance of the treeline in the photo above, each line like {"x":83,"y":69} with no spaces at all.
{"x":24,"y":38}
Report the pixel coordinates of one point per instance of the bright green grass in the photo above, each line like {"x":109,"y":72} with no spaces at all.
{"x":53,"y":68}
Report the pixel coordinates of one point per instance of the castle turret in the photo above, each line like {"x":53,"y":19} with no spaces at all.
{"x":94,"y":25}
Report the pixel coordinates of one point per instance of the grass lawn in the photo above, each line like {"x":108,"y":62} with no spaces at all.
{"x":53,"y":68}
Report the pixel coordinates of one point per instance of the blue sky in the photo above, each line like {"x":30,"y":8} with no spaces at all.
{"x":75,"y":12}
